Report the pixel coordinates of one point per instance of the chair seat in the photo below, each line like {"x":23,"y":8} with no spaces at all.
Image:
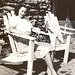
{"x":16,"y":57}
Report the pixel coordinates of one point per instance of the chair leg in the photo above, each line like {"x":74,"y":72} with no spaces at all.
{"x":53,"y":55}
{"x":67,"y":50}
{"x":29,"y":67}
{"x":48,"y":71}
{"x":30,"y":59}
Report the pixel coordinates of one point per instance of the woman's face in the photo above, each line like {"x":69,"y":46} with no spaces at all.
{"x":22,"y":12}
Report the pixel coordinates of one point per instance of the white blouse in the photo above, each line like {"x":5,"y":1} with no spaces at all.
{"x":20,"y":24}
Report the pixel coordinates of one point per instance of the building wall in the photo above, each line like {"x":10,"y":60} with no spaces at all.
{"x":71,"y":10}
{"x":59,"y":8}
{"x":63,"y":9}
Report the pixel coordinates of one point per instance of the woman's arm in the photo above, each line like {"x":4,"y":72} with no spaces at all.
{"x":14,"y":30}
{"x":13,"y":24}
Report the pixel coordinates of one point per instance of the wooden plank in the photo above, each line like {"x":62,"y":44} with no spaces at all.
{"x":16,"y":57}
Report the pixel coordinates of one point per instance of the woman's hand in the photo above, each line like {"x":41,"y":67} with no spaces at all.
{"x":27,"y":32}
{"x":36,"y":29}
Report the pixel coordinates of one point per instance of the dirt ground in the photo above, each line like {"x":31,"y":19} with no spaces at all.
{"x":40,"y":66}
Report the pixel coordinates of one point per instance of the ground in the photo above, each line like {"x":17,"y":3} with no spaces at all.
{"x":40,"y":66}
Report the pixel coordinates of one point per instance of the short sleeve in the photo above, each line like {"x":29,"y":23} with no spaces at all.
{"x":13,"y":21}
{"x":24,"y":25}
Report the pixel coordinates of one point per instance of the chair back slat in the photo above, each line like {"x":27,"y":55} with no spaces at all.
{"x":60,"y":37}
{"x":6,"y":22}
{"x":11,"y":40}
{"x":9,"y":15}
{"x":49,"y":22}
{"x":54,"y":25}
{"x":12,"y":13}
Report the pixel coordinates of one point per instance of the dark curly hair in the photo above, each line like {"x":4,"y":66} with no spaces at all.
{"x":18,"y":7}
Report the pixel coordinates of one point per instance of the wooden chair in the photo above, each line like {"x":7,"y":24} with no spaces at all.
{"x":58,"y":42}
{"x":14,"y":57}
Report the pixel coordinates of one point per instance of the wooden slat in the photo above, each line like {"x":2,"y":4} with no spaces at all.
{"x":15,"y":57}
{"x":67,"y":28}
{"x":23,"y":36}
{"x":9,"y":16}
{"x":13,"y":13}
{"x":6,"y":23}
{"x":54,"y":26}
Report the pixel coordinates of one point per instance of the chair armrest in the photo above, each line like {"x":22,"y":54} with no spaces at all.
{"x":49,"y":34}
{"x":22,"y":36}
{"x":66,"y":32}
{"x":44,"y":33}
{"x":67,"y":28}
{"x":38,"y":31}
{"x":52,"y":36}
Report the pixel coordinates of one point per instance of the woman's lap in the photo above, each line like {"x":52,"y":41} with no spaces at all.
{"x":41,"y":49}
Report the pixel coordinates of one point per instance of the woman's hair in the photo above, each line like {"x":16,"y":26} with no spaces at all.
{"x":18,"y":7}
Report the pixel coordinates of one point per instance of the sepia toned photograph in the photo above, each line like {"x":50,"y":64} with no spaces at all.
{"x":37,"y":37}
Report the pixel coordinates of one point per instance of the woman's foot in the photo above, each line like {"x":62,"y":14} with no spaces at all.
{"x":42,"y":73}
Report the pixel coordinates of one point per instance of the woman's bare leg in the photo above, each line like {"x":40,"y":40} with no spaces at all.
{"x":49,"y":64}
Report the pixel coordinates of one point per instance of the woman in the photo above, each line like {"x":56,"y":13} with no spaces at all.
{"x":21,"y":25}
